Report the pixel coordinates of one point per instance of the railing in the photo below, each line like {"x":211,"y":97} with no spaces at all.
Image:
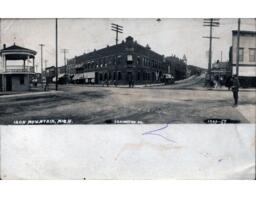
{"x":18,"y":69}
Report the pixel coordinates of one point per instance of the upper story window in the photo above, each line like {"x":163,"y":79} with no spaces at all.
{"x":119,"y":60}
{"x":241,"y":54}
{"x":114,"y":60}
{"x":129,"y":59}
{"x":252,"y":54}
{"x":138,"y":60}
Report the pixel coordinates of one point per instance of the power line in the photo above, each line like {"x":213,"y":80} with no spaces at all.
{"x":238,"y":46}
{"x":211,"y":23}
{"x":42,"y":69}
{"x":118,"y":29}
{"x":45,"y":63}
{"x":41,"y":47}
{"x":65,"y":51}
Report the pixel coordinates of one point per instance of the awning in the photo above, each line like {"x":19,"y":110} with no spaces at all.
{"x":89,"y":75}
{"x":78,"y":76}
{"x":59,"y":76}
{"x":79,"y":65}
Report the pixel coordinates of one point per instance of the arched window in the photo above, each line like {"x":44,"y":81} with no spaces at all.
{"x":138,"y":76}
{"x":119,"y":76}
{"x":114,"y":75}
{"x":105,"y":76}
{"x":100,"y":76}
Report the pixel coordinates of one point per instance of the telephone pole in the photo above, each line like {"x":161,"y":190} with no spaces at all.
{"x":118,"y":29}
{"x":41,"y":47}
{"x":45,"y":63}
{"x":56,"y":53}
{"x":210,"y":23}
{"x":238,"y":46}
{"x":65,"y":51}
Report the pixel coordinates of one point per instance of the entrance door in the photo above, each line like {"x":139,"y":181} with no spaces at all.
{"x":8,"y":83}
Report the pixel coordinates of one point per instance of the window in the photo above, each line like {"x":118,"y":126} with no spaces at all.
{"x":114,"y":75}
{"x":138,"y":76}
{"x":119,"y":76}
{"x":104,"y":61}
{"x":241,"y":54}
{"x":113,"y":60}
{"x":252,"y":54}
{"x":138,"y":60}
{"x":22,"y":80}
{"x":129,"y":59}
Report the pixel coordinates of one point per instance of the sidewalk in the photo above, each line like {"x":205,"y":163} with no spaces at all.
{"x":248,"y":111}
{"x":21,"y":94}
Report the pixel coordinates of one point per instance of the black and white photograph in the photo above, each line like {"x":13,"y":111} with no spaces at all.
{"x":127,"y":71}
{"x":127,"y":98}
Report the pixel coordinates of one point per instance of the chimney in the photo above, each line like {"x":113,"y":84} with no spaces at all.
{"x":4,"y":46}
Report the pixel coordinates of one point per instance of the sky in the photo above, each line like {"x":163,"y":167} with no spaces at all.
{"x":168,"y":37}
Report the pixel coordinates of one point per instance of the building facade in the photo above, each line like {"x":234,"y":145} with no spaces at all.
{"x":121,"y":64}
{"x":247,"y":57}
{"x":176,"y":66}
{"x":17,"y":68}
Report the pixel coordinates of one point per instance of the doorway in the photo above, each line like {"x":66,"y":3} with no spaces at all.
{"x":8,"y":83}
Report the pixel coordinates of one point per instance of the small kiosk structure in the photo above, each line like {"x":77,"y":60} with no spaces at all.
{"x":17,"y":68}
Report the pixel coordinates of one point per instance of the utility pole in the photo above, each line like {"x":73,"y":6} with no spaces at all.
{"x":56,"y":53}
{"x":238,"y":46}
{"x":45,"y":63}
{"x":41,"y":47}
{"x":65,"y":51}
{"x":221,"y":56}
{"x":210,"y":23}
{"x":118,"y":29}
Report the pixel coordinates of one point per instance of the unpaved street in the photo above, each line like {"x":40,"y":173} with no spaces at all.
{"x":91,"y":105}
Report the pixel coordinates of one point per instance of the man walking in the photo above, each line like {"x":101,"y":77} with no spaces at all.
{"x":235,"y":89}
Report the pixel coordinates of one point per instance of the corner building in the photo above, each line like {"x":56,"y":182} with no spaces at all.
{"x":119,"y":63}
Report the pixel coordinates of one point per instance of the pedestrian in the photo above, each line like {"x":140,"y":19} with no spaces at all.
{"x":229,"y":82}
{"x":115,"y":83}
{"x":235,"y":89}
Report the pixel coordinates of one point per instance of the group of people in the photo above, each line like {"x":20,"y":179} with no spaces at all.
{"x":218,"y":81}
{"x":232,"y":83}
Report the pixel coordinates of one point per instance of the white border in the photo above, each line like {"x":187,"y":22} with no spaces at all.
{"x":122,"y":9}
{"x":128,"y":8}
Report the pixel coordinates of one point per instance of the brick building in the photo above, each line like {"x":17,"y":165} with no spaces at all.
{"x":121,"y":63}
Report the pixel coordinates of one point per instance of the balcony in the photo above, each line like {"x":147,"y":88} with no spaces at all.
{"x":18,"y":69}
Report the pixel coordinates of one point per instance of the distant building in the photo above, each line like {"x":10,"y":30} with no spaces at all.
{"x":194,"y":70}
{"x":121,"y":63}
{"x":221,"y":68}
{"x":247,"y":57}
{"x":50,"y":73}
{"x":176,"y":67}
{"x":17,"y":67}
